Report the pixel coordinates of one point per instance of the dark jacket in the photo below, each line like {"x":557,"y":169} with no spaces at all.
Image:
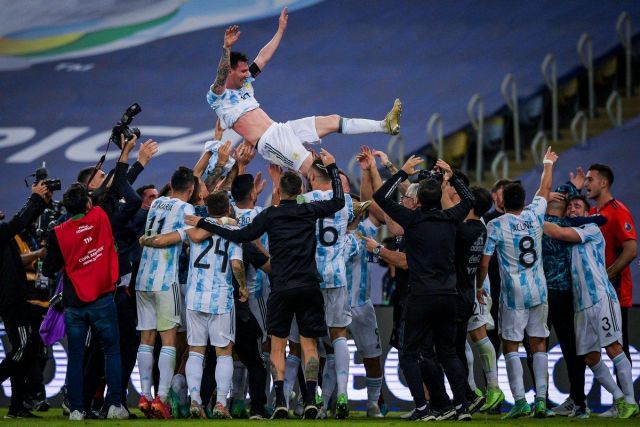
{"x":430,"y":235}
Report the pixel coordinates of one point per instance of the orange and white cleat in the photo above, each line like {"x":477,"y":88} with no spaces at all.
{"x":221,"y":412}
{"x":145,"y":406}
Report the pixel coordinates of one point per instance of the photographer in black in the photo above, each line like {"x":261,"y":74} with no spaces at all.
{"x":13,"y":304}
{"x":430,"y":234}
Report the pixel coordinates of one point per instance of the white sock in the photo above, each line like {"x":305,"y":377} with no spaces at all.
{"x":373,"y":390}
{"x":471,"y":379}
{"x":356,"y":126}
{"x":602,"y":374}
{"x":341,"y":353}
{"x":488,"y":361}
{"x":239,"y":380}
{"x":514,"y":374}
{"x":540,"y":363}
{"x":224,"y":375}
{"x":328,"y":380}
{"x":145,"y":367}
{"x":179,"y":386}
{"x":623,"y":372}
{"x":193,"y":369}
{"x":291,"y":366}
{"x":166,"y":366}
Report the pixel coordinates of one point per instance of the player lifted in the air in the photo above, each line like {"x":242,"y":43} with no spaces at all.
{"x":231,"y":97}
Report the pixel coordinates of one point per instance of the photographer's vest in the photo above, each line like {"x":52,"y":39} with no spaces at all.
{"x":90,"y":257}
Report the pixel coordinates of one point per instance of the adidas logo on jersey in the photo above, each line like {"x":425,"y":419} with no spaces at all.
{"x":608,"y":334}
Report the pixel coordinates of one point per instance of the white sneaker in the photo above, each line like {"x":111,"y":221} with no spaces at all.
{"x":610,"y":413}
{"x":76,"y":416}
{"x":117,"y":413}
{"x":566,"y":409}
{"x":373,"y":411}
{"x":408,"y":415}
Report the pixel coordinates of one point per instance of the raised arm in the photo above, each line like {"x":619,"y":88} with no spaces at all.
{"x":230,"y":37}
{"x":384,"y":159}
{"x":547,"y":174}
{"x":461,"y":210}
{"x":247,"y":234}
{"x":324,"y":208}
{"x":266,"y":53}
{"x":382,"y":197}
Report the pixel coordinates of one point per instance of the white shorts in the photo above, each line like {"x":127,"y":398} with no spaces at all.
{"x":337,"y":307}
{"x":281,"y":144}
{"x":220,"y":329}
{"x":258,"y":307}
{"x":598,"y":326}
{"x":364,"y":330}
{"x":159,"y":310}
{"x":481,"y":315}
{"x":513,"y":323}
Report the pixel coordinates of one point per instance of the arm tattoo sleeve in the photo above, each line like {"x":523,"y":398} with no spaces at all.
{"x":223,"y":70}
{"x":213,"y":177}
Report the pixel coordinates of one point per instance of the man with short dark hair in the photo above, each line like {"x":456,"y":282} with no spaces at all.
{"x":431,"y":307}
{"x":516,"y":236}
{"x":231,"y":97}
{"x":295,"y":280}
{"x":620,"y":236}
{"x":85,"y":247}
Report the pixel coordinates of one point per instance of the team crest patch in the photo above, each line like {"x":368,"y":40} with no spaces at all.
{"x":627,"y":226}
{"x":295,"y":156}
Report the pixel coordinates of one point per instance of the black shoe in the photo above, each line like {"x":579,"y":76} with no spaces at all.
{"x":22,"y":413}
{"x":280,"y":412}
{"x":310,"y":412}
{"x":463,"y":414}
{"x":446,"y":414}
{"x":476,"y":403}
{"x":422,"y":415}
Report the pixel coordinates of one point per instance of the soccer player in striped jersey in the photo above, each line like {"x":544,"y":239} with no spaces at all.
{"x":517,"y":238}
{"x":209,"y":303}
{"x":158,"y":294}
{"x":331,"y":235}
{"x":231,"y":96}
{"x":597,"y":309}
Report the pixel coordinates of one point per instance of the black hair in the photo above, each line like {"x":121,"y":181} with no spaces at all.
{"x":241,"y":187}
{"x":513,"y":195}
{"x":429,"y":193}
{"x":165,"y":190}
{"x":85,"y":174}
{"x":581,"y":197}
{"x":501,"y":183}
{"x":290,"y":183}
{"x":196,"y":191}
{"x":604,"y":171}
{"x":182,"y":179}
{"x":218,"y":203}
{"x":320,"y":170}
{"x":236,"y":57}
{"x":141,"y":190}
{"x":75,"y":198}
{"x":482,"y":202}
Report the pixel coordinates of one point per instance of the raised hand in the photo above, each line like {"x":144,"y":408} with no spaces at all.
{"x":410,"y":165}
{"x":550,"y":156}
{"x":244,"y":154}
{"x":259,"y":183}
{"x":231,"y":36}
{"x":578,"y":179}
{"x":223,"y":153}
{"x":384,"y":159}
{"x":282,"y":21}
{"x":275,"y":172}
{"x":327,"y":157}
{"x":218,"y":131}
{"x":40,"y":189}
{"x":445,"y":168}
{"x":147,"y":150}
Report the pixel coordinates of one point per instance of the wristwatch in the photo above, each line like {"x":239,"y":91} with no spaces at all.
{"x":388,"y":165}
{"x":376,"y":250}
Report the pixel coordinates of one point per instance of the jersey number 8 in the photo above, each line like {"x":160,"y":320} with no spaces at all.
{"x":527,"y":247}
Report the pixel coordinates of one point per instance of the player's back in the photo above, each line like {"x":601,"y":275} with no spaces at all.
{"x":518,"y":241}
{"x":588,"y":272}
{"x":331,"y":235}
{"x":210,"y":281}
{"x":257,"y":280}
{"x":159,"y":266}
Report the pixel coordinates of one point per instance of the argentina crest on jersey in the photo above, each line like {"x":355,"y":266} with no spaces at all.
{"x":331,"y":235}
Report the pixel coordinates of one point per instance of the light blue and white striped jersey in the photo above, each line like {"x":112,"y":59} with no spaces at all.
{"x":159,"y":266}
{"x":331,"y":235}
{"x":210,"y":281}
{"x":588,"y":272}
{"x":518,"y":241}
{"x":257,"y":281}
{"x":358,"y":280}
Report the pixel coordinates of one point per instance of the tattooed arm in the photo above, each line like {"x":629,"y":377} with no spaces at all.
{"x":230,"y":37}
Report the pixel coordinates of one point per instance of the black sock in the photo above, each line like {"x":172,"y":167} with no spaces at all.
{"x":311,"y":392}
{"x":278,"y":386}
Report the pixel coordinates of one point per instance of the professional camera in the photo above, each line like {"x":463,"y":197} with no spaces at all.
{"x":49,"y":219}
{"x":432,"y":174}
{"x":53,"y":184}
{"x":122,"y":127}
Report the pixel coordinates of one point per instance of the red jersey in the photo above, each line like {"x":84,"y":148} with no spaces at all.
{"x":618,"y":229}
{"x":90,"y":257}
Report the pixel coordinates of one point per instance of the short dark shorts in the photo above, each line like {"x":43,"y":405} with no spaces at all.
{"x":305,"y":303}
